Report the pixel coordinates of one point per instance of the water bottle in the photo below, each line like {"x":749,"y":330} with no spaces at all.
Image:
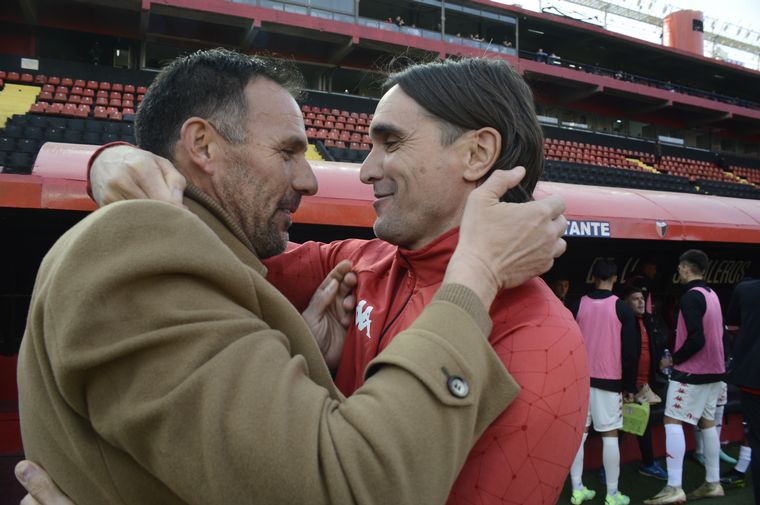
{"x":667,"y":356}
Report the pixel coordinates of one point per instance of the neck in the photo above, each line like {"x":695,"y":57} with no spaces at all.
{"x":606,"y":285}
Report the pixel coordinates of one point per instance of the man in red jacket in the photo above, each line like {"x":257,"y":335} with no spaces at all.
{"x":437,"y":133}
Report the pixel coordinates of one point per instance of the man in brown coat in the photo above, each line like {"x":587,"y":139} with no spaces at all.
{"x":159,"y":366}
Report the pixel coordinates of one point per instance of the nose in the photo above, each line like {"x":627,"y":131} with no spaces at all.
{"x":371,"y":169}
{"x":304,"y":180}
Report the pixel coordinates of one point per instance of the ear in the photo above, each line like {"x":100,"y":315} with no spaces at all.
{"x":483,"y":149}
{"x":198,"y":140}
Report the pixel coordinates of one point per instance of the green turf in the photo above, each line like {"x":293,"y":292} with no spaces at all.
{"x":639,"y":488}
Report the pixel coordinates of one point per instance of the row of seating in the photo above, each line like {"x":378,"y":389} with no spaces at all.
{"x":41,"y":80}
{"x":79,"y":98}
{"x":23,"y":135}
{"x":591,"y":154}
{"x":578,"y":173}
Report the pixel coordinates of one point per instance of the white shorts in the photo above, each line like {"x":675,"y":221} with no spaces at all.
{"x":605,"y":410}
{"x":723,"y":398}
{"x":690,"y":402}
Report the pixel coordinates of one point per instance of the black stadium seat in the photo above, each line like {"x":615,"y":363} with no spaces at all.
{"x":28,"y":145}
{"x":19,"y":163}
{"x":13,"y":131}
{"x":91,"y":137}
{"x":72,"y":136}
{"x":7,"y":144}
{"x":54,"y":134}
{"x":110,"y":137}
{"x":33,"y":132}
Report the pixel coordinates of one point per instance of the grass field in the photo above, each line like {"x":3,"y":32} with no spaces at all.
{"x":640,"y":488}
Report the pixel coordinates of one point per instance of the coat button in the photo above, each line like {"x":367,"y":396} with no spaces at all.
{"x":458,"y":386}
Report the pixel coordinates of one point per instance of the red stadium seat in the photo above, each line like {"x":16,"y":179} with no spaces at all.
{"x":92,"y":84}
{"x":102,"y":94}
{"x":3,"y":75}
{"x":89,"y":92}
{"x":67,"y":81}
{"x":69,"y":109}
{"x":62,"y":89}
{"x":40,"y":79}
{"x":38,"y":107}
{"x":13,"y":77}
{"x":54,"y":109}
{"x":305,"y":108}
{"x":128,"y":110}
{"x":100,"y":112}
{"x":49,"y":88}
{"x":77,"y":90}
{"x":115,"y":116}
{"x":114,"y":102}
{"x":87,"y":100}
{"x":75,"y":99}
{"x":105,"y":85}
{"x":117,"y":87}
{"x":80,"y":82}
{"x":129,"y":88}
{"x":141,"y":90}
{"x":46,"y":96}
{"x":101,"y":101}
{"x":128,"y":103}
{"x":60,"y":97}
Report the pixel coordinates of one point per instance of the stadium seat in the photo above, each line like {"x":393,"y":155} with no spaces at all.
{"x":93,"y":138}
{"x":104,"y":85}
{"x":19,"y":162}
{"x":94,"y":126}
{"x":80,"y":83}
{"x":28,"y":145}
{"x":67,"y":81}
{"x":39,"y":107}
{"x":110,"y":137}
{"x":117,"y":87}
{"x":77,"y":90}
{"x":72,"y":136}
{"x":54,"y":135}
{"x":12,"y":131}
{"x":92,"y":85}
{"x":7,"y":144}
{"x":13,"y":77}
{"x":54,"y":80}
{"x":129,"y":88}
{"x":141,"y":90}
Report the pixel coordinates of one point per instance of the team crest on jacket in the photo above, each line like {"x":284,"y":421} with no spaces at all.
{"x":363,"y":322}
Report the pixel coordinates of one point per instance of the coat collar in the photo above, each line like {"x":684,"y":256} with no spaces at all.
{"x":222,"y":224}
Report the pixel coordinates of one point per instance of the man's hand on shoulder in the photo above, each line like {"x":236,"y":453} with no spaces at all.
{"x":39,"y":485}
{"x":126,"y":173}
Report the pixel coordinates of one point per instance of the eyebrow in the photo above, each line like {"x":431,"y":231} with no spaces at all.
{"x":296,"y":141}
{"x":385,"y":129}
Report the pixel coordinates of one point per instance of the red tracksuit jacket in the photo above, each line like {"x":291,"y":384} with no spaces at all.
{"x":525,"y":455}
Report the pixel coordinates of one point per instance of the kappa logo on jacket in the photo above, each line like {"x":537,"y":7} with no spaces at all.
{"x":362,"y":317}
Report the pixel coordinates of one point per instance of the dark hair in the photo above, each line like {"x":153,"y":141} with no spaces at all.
{"x":473,"y":93}
{"x":696,"y":259}
{"x":630,"y":290}
{"x":604,"y":270}
{"x":209,"y":84}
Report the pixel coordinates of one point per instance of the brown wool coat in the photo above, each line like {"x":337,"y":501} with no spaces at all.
{"x":160,"y":367}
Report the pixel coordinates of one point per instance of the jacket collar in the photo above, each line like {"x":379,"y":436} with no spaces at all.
{"x":429,"y":263}
{"x":222,"y":224}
